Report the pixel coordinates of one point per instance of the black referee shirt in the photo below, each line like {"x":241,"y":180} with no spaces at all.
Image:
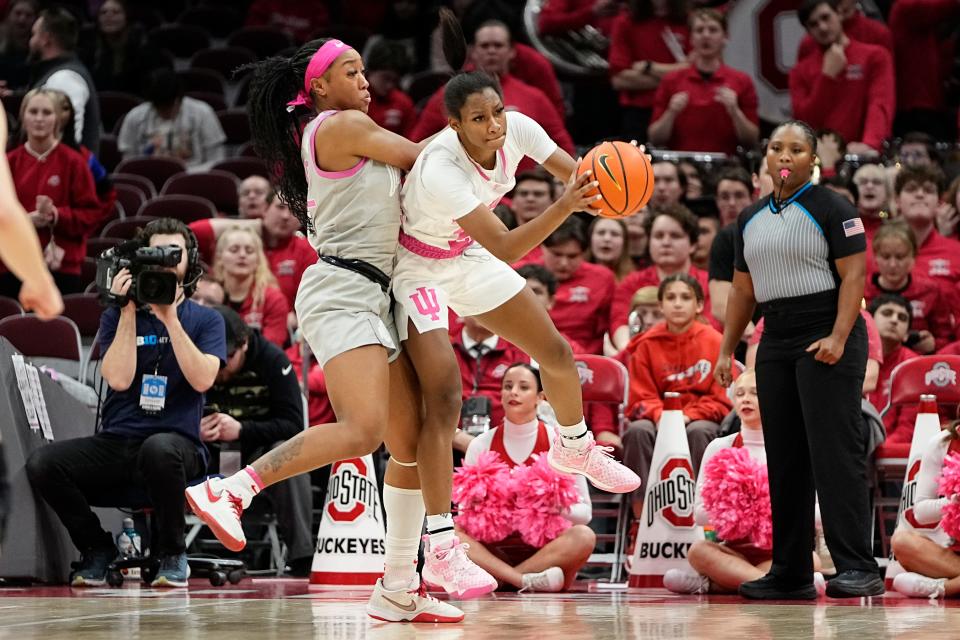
{"x":790,"y":251}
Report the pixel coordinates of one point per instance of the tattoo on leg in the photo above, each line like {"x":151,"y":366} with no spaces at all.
{"x":275,"y":459}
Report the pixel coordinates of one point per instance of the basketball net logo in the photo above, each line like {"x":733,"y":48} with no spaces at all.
{"x":602,"y":159}
{"x":426,"y":303}
{"x":941,"y":375}
{"x":673,"y":494}
{"x":351,"y":492}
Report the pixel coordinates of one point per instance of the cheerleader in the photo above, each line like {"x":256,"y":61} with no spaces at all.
{"x":721,"y":567}
{"x":522,"y":435}
{"x":926,"y":551}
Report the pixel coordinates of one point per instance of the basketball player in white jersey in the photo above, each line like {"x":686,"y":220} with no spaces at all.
{"x":454,"y":252}
{"x":340,"y":178}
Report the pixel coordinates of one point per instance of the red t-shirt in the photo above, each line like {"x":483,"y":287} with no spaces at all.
{"x":620,"y":307}
{"x":395,"y":112}
{"x":939,"y":258}
{"x":517,"y":96}
{"x":929,"y":301}
{"x":899,"y":420}
{"x":865,"y":114}
{"x":270,"y":317}
{"x":705,"y":125}
{"x":581,"y":308}
{"x":857,"y":27}
{"x":921,"y":69}
{"x":534,"y":257}
{"x":532,"y":67}
{"x":65,"y":178}
{"x":631,"y":41}
{"x":288,"y":262}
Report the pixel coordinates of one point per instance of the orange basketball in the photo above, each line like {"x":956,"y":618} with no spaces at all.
{"x":625,"y":176}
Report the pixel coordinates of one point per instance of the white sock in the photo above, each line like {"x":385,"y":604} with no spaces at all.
{"x":576,"y":436}
{"x":440,"y":529}
{"x":245,"y":484}
{"x":405,"y":513}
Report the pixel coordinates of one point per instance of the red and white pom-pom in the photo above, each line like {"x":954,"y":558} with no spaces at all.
{"x":762,"y":534}
{"x":950,"y":486}
{"x":483,"y":493}
{"x":541,"y":497}
{"x":730,"y":493}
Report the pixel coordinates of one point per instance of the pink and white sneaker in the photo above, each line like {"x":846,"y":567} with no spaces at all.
{"x":220,"y":510}
{"x":594,"y":463}
{"x":413,"y":604}
{"x":450,"y":569}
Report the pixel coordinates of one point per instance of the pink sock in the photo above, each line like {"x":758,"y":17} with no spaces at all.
{"x":256,"y":477}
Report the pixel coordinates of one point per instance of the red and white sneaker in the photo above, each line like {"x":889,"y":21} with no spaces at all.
{"x":220,"y":510}
{"x":413,"y":604}
{"x":450,"y":569}
{"x":595,"y":464}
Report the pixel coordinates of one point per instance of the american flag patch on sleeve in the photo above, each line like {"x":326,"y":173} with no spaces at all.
{"x":853,"y":227}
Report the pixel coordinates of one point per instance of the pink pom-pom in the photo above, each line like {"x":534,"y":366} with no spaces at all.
{"x":737,"y":497}
{"x":484,"y":498}
{"x":541,"y":497}
{"x":950,"y":486}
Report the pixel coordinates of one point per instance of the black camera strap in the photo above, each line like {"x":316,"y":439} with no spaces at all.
{"x":362,"y":267}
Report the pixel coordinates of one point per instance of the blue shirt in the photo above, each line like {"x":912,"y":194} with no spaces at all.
{"x":183,"y":409}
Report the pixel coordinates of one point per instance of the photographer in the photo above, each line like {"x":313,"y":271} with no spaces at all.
{"x":254,"y":404}
{"x":159,"y":359}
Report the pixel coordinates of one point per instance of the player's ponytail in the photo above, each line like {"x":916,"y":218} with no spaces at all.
{"x":464,"y":83}
{"x":275,"y":127}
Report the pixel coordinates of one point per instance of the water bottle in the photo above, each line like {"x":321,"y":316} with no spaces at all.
{"x":128,"y":541}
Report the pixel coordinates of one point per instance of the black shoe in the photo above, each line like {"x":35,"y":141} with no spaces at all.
{"x":300,"y":567}
{"x":770,"y":587}
{"x":855,"y":584}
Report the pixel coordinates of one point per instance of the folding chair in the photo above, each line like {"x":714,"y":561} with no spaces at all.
{"x":605,"y":381}
{"x":54,"y":342}
{"x":934,"y":374}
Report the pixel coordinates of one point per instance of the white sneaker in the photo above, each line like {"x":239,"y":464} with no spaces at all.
{"x":449,"y":568}
{"x":412,"y":604}
{"x":220,"y":510}
{"x":686,"y":581}
{"x":819,"y":583}
{"x":549,"y":580}
{"x":914,"y":585}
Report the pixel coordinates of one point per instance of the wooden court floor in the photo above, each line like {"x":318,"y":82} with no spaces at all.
{"x":268,"y":609}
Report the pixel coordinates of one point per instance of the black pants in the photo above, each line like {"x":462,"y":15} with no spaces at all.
{"x":72,"y":474}
{"x":815,"y":440}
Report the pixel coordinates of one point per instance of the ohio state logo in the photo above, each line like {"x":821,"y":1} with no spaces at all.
{"x":425,"y":300}
{"x":941,"y":375}
{"x":579,"y":294}
{"x":351,"y":493}
{"x":673,"y":495}
{"x":908,"y":497}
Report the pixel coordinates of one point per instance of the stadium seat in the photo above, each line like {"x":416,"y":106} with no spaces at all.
{"x":263,"y":41}
{"x":109,"y":155}
{"x":137,"y":182}
{"x":216,"y":100}
{"x":156,"y":169}
{"x":219,"y":21}
{"x":85,"y":311}
{"x":117,"y":212}
{"x":114,"y":105}
{"x":243,"y":167}
{"x":236,"y":124}
{"x":182,"y":207}
{"x":223,"y":60}
{"x":131,"y":198}
{"x":54,"y":342}
{"x":9,"y":307}
{"x":96,"y":246}
{"x":219,"y":187}
{"x":181,"y":40}
{"x":125,"y":228}
{"x":205,"y":80}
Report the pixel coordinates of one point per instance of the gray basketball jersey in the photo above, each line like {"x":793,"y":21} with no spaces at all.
{"x":355,"y":213}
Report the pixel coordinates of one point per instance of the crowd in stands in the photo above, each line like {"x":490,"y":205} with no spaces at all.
{"x":880,"y":84}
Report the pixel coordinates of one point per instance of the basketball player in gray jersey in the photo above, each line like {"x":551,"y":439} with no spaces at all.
{"x":341,"y":177}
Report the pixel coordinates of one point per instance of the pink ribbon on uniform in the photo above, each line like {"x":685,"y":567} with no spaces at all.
{"x":318,"y":65}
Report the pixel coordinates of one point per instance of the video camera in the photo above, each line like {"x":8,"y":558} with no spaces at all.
{"x":151,"y":283}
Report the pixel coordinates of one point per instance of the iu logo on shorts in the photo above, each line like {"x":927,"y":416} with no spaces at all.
{"x":426,"y":302}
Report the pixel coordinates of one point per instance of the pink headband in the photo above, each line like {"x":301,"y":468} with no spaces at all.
{"x":318,"y":65}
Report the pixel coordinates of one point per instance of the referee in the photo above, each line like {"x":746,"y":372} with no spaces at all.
{"x":800,"y":256}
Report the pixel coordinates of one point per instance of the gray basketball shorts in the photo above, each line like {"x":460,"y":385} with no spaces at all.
{"x":340,"y":310}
